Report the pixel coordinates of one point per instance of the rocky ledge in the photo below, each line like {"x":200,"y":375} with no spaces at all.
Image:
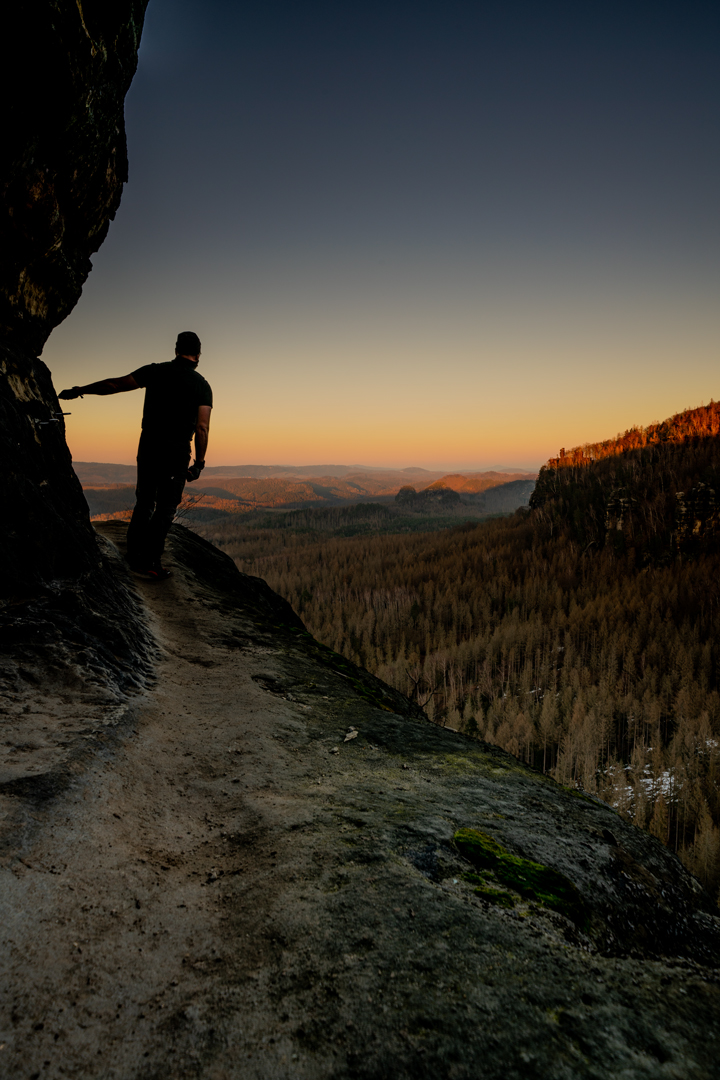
{"x":268,"y":864}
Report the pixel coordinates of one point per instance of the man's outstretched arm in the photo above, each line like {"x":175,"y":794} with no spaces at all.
{"x":103,"y":387}
{"x":202,"y":434}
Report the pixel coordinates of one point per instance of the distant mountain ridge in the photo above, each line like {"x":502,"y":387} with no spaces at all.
{"x":109,"y":490}
{"x":474,"y":483}
{"x":98,"y":473}
{"x":459,"y":495}
{"x":699,"y":423}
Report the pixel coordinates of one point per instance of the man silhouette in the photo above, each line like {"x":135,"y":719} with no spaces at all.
{"x":178,"y":402}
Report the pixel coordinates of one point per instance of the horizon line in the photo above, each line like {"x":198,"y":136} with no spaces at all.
{"x":370,"y":468}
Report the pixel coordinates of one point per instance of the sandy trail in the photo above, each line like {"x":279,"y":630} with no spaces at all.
{"x":223,"y":893}
{"x":115,"y":913}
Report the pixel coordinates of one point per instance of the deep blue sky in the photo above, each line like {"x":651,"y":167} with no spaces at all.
{"x":426,"y":233}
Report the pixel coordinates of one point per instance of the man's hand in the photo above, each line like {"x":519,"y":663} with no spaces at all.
{"x":70,"y":395}
{"x":194,"y":471}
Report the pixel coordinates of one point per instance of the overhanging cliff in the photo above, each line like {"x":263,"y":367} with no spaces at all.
{"x":64,"y":166}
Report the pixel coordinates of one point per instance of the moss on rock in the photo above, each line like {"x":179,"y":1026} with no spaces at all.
{"x":532,"y":880}
{"x":488,"y":891}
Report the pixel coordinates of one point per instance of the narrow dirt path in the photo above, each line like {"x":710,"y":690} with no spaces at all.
{"x":231,"y":890}
{"x":114,"y":913}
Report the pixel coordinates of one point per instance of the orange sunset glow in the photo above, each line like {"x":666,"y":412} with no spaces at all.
{"x":479,"y":262}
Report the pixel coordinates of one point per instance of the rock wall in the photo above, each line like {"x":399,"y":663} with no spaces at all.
{"x":64,"y":166}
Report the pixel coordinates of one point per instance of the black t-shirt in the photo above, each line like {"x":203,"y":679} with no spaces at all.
{"x":173,"y":394}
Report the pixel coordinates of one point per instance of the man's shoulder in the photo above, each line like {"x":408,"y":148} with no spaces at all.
{"x":149,"y":373}
{"x":144,"y":374}
{"x":202,"y":388}
{"x":197,"y":377}
{"x":169,"y":375}
{"x":200,"y":379}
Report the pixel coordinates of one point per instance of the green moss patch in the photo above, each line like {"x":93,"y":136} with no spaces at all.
{"x":474,"y":879}
{"x":496,"y":896}
{"x":488,"y":891}
{"x":532,"y":880}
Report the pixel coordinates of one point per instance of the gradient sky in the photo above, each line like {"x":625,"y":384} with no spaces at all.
{"x":451,"y":234}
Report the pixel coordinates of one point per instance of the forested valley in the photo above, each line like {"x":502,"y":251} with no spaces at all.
{"x":581,"y":635}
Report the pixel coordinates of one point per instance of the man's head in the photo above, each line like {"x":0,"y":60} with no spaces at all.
{"x":188,"y":345}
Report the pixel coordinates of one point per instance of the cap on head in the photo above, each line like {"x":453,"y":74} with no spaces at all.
{"x":187,"y":344}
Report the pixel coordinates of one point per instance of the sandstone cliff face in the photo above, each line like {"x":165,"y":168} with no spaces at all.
{"x":64,"y":165}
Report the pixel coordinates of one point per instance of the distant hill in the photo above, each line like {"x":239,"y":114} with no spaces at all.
{"x":102,"y":474}
{"x":432,"y":498}
{"x":109,"y":489}
{"x":486,"y":493}
{"x":472,"y":483}
{"x":99,"y":473}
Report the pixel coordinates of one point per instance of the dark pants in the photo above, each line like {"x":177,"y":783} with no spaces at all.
{"x":160,"y":483}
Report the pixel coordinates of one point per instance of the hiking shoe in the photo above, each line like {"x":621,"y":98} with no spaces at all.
{"x":140,"y":571}
{"x":158,"y":573}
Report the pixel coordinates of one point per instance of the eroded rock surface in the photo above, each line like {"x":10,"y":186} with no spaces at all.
{"x":254,"y":875}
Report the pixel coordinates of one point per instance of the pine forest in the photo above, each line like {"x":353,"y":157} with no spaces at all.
{"x":581,"y":635}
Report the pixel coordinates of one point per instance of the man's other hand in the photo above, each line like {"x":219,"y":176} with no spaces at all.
{"x":70,"y":395}
{"x":194,"y":471}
